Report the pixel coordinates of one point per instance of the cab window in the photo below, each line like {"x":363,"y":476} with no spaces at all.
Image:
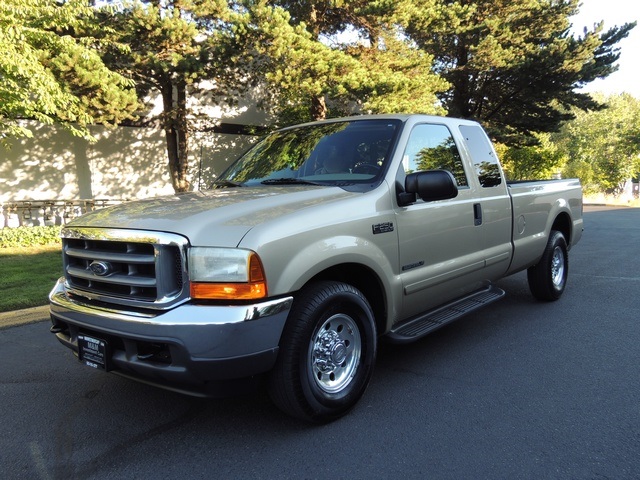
{"x":482,"y":155}
{"x":431,"y":147}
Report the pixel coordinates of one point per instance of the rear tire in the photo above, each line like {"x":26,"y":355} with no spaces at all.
{"x":327,"y":353}
{"x":548,"y":279}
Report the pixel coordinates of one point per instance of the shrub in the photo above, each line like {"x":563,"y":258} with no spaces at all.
{"x":29,"y":236}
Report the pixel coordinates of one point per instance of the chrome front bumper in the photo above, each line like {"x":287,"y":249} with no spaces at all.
{"x":186,"y":348}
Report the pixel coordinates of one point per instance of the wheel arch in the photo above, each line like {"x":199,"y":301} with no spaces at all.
{"x":364,"y":279}
{"x":562,"y":223}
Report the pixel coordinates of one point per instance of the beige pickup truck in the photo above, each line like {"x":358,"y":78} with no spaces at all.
{"x":320,"y":241}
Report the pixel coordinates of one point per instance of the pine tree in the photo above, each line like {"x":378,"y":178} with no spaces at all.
{"x":513,"y":64}
{"x":300,"y":71}
{"x":378,"y":70}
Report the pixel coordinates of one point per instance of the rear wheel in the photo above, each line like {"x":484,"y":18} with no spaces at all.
{"x":327,"y":353}
{"x":548,"y":279}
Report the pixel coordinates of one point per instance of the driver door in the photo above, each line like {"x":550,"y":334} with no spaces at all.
{"x":440,"y":246}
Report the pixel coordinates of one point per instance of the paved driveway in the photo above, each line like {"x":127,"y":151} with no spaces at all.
{"x":521,"y":389}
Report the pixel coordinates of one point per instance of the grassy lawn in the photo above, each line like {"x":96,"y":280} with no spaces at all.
{"x":27,"y":275}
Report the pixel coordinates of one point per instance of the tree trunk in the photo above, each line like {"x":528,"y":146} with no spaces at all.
{"x":318,"y":108}
{"x":460,"y":101}
{"x":176,"y":133}
{"x":182,"y":127}
{"x":83,"y":170}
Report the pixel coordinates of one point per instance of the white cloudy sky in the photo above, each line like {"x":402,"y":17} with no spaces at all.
{"x":615,"y":12}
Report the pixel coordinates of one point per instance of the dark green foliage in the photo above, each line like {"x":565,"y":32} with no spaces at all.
{"x":51,"y":70}
{"x":29,"y":236}
{"x":513,"y":64}
{"x":374,"y":69}
{"x":601,"y":147}
{"x":172,"y":46}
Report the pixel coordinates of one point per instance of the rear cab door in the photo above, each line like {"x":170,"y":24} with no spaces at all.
{"x":492,"y":206}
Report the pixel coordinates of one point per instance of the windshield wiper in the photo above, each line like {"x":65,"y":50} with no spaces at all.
{"x":289,"y":181}
{"x":225,"y":183}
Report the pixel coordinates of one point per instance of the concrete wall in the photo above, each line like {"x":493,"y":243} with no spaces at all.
{"x":124,"y":163}
{"x":48,"y":178}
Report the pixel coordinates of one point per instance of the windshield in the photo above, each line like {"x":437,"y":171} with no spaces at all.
{"x":338,"y":153}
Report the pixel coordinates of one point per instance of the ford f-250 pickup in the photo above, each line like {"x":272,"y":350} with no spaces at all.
{"x":319,"y":241}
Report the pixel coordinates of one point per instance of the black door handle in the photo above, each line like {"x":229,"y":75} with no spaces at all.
{"x":477,"y":214}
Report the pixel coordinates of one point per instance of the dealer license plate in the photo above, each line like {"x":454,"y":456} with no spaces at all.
{"x":92,"y":351}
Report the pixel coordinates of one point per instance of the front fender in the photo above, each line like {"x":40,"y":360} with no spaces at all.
{"x":322,"y":255}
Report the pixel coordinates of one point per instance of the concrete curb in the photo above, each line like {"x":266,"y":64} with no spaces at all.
{"x":23,"y":317}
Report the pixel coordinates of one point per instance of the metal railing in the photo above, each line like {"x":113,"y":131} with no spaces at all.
{"x":30,"y":213}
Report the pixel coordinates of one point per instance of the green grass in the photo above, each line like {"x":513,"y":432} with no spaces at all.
{"x":27,"y":275}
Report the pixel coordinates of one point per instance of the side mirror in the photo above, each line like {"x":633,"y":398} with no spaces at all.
{"x":431,"y":185}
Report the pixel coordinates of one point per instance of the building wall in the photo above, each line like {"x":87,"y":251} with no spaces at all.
{"x":124,"y":163}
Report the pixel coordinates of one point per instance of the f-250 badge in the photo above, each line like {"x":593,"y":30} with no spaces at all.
{"x":382,"y":228}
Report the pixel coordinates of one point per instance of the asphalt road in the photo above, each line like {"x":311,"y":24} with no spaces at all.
{"x":521,"y":389}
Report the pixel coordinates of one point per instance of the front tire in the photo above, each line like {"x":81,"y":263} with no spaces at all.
{"x":548,"y":279}
{"x":327,"y":353}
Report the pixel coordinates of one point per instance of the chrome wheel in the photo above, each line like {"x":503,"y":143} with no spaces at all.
{"x":327,"y":352}
{"x":557,"y":267}
{"x":334,"y":353}
{"x":548,"y":278}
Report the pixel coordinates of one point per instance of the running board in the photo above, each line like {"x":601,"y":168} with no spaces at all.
{"x":420,"y":326}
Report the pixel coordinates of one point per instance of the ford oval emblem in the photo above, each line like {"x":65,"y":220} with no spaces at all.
{"x":100,"y":268}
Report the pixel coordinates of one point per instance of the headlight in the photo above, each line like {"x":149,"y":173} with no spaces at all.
{"x":226,"y":273}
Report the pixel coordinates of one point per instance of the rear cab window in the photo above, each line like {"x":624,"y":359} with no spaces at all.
{"x":482,"y":155}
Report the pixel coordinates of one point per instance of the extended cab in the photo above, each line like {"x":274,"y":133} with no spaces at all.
{"x":317,"y":242}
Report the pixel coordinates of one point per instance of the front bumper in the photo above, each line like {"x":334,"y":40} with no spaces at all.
{"x":195,"y":349}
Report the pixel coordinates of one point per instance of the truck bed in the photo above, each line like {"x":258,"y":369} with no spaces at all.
{"x":539,"y":201}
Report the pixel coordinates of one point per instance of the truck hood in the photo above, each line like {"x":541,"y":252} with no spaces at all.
{"x":215,"y":217}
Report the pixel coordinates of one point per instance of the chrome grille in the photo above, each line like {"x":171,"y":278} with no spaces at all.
{"x":125,"y":267}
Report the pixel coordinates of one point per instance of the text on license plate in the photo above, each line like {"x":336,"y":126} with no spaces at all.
{"x":92,"y":351}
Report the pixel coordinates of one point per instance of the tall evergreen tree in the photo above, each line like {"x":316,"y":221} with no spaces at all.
{"x":330,"y":17}
{"x":299,"y":71}
{"x":514,"y":64}
{"x":51,"y":70}
{"x":384,"y":73}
